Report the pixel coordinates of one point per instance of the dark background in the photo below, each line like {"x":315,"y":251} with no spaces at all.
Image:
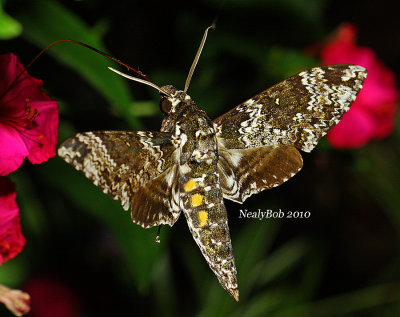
{"x":84,"y":257}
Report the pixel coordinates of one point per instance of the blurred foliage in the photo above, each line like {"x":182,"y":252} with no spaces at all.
{"x":9,"y":27}
{"x":343,"y":261}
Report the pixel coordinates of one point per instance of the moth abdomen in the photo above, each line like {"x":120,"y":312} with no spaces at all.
{"x":203,"y":206}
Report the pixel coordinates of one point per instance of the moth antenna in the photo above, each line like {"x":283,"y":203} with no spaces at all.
{"x":97,"y":51}
{"x":82,"y":44}
{"x":139,"y":80}
{"x":197,"y":57}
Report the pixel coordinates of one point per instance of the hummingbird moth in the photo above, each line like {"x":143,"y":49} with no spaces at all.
{"x":193,"y":162}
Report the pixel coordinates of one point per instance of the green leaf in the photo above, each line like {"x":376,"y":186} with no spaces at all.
{"x":283,"y":63}
{"x":31,"y":207}
{"x":253,"y":242}
{"x":281,"y":261}
{"x":380,"y":174}
{"x":47,"y":21}
{"x":137,"y":244}
{"x":349,"y":303}
{"x":144,"y":109}
{"x":9,"y":28}
{"x":263,"y":303}
{"x":13,"y":272}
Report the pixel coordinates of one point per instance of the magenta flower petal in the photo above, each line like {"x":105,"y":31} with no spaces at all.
{"x":28,"y":117}
{"x":11,"y":239}
{"x":44,"y":146}
{"x":52,"y":297}
{"x":372,"y":116}
{"x":354,"y":130}
{"x":12,"y":149}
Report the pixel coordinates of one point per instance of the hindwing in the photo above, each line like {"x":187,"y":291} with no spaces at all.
{"x":257,"y":140}
{"x":134,"y":167}
{"x":149,"y":201}
{"x":244,"y":172}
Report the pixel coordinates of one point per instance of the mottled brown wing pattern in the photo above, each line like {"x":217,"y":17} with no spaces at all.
{"x":149,"y":201}
{"x":244,"y":172}
{"x":298,"y":111}
{"x":257,"y":140}
{"x":129,"y":166}
{"x":251,"y":148}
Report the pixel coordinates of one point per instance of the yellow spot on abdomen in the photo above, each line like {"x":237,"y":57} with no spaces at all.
{"x":203,"y":217}
{"x":190,"y":185}
{"x":197,"y":200}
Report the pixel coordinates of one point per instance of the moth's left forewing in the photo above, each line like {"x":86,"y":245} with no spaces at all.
{"x":298,"y":111}
{"x":295,"y":113}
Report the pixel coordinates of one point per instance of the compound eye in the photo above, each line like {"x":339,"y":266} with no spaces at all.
{"x":165,"y":105}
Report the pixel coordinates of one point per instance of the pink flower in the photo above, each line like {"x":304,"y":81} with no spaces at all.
{"x":372,"y":115}
{"x":28,"y":118}
{"x":51,"y":297}
{"x":11,"y":239}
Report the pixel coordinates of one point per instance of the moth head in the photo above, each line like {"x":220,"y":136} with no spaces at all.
{"x":170,"y":96}
{"x":167,"y":100}
{"x":165,"y":105}
{"x":172,"y":99}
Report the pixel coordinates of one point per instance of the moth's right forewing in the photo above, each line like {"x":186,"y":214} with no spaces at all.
{"x":122,"y":163}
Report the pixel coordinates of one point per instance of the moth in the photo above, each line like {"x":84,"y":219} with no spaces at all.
{"x":193,"y":162}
